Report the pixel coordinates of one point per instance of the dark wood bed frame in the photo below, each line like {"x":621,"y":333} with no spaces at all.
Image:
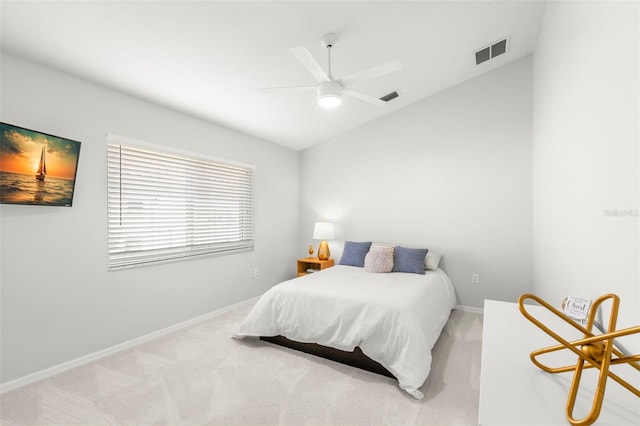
{"x":355,"y":358}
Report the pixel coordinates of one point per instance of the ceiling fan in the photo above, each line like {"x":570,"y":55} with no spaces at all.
{"x":330,"y":90}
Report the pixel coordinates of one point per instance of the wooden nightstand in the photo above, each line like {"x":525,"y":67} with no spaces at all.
{"x":312,"y":263}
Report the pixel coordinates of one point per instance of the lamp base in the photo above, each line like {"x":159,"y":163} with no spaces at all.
{"x":323,"y":251}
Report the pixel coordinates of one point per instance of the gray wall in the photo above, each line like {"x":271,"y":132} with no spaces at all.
{"x":58,"y":301}
{"x":451,"y":173}
{"x":586,"y":154}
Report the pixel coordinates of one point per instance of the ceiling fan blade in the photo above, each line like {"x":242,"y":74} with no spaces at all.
{"x":364,"y":98}
{"x":374,"y":72}
{"x":303,"y":55}
{"x":285,"y":88}
{"x":313,"y":107}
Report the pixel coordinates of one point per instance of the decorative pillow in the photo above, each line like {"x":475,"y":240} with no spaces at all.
{"x":354,"y":252}
{"x":432,"y":260}
{"x":409,"y":260}
{"x":379,"y":259}
{"x":389,"y":247}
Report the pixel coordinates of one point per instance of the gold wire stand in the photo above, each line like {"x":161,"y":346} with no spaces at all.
{"x":596,"y":351}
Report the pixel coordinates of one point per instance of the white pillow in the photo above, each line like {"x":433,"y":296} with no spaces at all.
{"x":431,"y":260}
{"x":379,"y":259}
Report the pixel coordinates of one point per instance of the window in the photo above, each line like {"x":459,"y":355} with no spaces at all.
{"x":164,"y":206}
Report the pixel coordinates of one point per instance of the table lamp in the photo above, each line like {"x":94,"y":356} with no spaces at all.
{"x":323,"y":231}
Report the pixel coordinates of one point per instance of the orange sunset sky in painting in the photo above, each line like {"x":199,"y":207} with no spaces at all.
{"x":20,"y":151}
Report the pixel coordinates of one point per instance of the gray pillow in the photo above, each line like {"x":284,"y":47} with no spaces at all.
{"x":354,"y":252}
{"x":409,"y":260}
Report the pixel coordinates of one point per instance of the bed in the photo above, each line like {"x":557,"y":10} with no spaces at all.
{"x":392,"y":318}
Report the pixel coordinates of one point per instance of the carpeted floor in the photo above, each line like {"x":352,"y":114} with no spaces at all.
{"x":200,"y":376}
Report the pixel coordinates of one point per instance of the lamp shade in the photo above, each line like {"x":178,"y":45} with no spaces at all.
{"x":323,"y":231}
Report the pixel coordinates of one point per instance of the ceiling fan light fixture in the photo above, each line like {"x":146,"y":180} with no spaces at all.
{"x":329,"y":94}
{"x":330,"y":100}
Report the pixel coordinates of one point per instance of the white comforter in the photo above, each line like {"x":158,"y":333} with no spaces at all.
{"x":395,"y":318}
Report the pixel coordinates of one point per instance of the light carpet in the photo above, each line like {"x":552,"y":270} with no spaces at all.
{"x":201,"y":376}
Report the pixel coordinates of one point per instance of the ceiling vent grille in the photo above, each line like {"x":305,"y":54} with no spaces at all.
{"x":491,"y":51}
{"x":389,"y":96}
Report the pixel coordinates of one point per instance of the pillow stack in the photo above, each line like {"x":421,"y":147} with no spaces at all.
{"x":382,"y":258}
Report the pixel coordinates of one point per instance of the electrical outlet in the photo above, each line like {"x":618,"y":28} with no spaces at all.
{"x":475,"y":278}
{"x":256,"y":271}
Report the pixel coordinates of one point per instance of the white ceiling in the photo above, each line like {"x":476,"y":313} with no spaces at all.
{"x":206,"y":58}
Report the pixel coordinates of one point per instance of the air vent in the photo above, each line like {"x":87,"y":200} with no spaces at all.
{"x":491,"y":51}
{"x":389,"y":96}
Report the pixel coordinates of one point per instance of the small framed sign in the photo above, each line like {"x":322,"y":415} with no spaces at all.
{"x":577,"y":308}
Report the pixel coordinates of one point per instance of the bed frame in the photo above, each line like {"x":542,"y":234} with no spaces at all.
{"x":355,"y":358}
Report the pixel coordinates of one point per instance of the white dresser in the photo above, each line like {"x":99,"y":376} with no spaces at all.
{"x":513,"y":391}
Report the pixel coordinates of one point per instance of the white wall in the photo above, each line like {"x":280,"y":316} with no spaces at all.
{"x":451,"y":173}
{"x":58,"y":301}
{"x":586,"y":153}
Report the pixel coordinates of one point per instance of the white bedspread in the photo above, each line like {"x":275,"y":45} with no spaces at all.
{"x":395,"y":318}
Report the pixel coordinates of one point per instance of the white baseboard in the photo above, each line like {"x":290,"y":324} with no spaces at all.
{"x":469,"y":309}
{"x":57,"y":369}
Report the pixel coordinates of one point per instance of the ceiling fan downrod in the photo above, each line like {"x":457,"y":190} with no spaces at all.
{"x":329,"y":61}
{"x":327,"y":41}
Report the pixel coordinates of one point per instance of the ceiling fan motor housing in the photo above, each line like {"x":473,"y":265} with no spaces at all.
{"x":329,"y":88}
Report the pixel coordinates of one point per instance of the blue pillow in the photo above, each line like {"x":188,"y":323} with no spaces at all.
{"x":354,"y":253}
{"x":409,"y":260}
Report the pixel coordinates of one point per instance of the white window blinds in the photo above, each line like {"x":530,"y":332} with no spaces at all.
{"x":163,"y":206}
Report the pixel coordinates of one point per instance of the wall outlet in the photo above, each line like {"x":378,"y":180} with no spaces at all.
{"x":475,"y":278}
{"x":254,"y":272}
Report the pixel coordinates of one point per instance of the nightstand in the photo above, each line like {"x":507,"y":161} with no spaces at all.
{"x":312,"y":263}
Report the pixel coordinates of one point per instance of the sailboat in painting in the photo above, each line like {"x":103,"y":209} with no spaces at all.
{"x":42,"y":167}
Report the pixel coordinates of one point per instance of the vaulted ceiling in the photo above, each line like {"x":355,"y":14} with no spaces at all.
{"x":207,"y":58}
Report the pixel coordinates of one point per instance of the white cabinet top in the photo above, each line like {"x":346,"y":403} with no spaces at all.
{"x":513,"y":391}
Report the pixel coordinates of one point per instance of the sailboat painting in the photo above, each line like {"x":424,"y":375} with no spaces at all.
{"x":36,"y":168}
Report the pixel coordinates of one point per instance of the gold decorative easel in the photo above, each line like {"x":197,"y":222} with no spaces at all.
{"x":596,"y":351}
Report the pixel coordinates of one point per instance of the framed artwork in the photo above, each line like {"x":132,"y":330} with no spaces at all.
{"x":36,"y":168}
